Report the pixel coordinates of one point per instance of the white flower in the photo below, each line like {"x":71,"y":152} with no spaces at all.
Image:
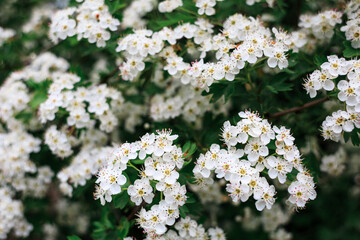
{"x":335,"y":66}
{"x":229,"y":134}
{"x":216,"y":234}
{"x":265,"y":198}
{"x":111,"y":180}
{"x":175,"y":195}
{"x":348,"y":92}
{"x":276,"y":56}
{"x":141,"y":189}
{"x":284,"y":135}
{"x":278,"y":168}
{"x":238,"y":191}
{"x":206,"y":7}
{"x":186,"y":227}
{"x":98,"y":106}
{"x":256,"y":148}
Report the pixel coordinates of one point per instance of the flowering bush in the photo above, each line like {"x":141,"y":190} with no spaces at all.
{"x":179,"y":119}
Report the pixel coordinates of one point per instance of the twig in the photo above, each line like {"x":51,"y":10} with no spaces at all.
{"x":112,"y":73}
{"x":135,"y":210}
{"x":297,"y":109}
{"x":54,"y":197}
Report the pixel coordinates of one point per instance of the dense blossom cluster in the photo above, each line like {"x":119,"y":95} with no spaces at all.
{"x":242,"y":40}
{"x":322,"y":24}
{"x":162,"y":159}
{"x":83,"y":166}
{"x":14,"y":94}
{"x":45,"y":108}
{"x":75,"y":102}
{"x":348,"y":92}
{"x":15,"y":165}
{"x":11,"y":215}
{"x":90,"y":21}
{"x":241,"y":167}
{"x":185,"y":101}
{"x":133,"y":14}
{"x":352,"y":28}
{"x":188,"y":228}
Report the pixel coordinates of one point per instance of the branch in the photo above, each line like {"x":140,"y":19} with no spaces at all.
{"x":112,"y":73}
{"x":134,"y":211}
{"x":297,"y":109}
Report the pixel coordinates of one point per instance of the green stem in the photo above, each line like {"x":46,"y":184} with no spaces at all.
{"x":131,"y":165}
{"x":188,"y":11}
{"x":257,"y":63}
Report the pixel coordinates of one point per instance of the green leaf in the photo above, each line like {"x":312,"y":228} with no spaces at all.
{"x":355,"y":138}
{"x":347,"y":136}
{"x":117,"y":6}
{"x":38,"y":98}
{"x":73,"y":237}
{"x":187,"y":162}
{"x":105,"y":218}
{"x":123,"y":227}
{"x":186,"y":147}
{"x":191,"y":198}
{"x":319,"y":60}
{"x":183,"y":211}
{"x":219,"y":89}
{"x":349,"y":51}
{"x":192,"y":149}
{"x":138,"y":161}
{"x":289,"y":71}
{"x":120,"y":200}
{"x":279,"y":85}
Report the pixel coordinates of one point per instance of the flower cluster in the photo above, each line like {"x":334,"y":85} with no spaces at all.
{"x":38,"y":17}
{"x":15,"y":149}
{"x":161,"y":160}
{"x":242,"y":40}
{"x":187,"y":103}
{"x":188,"y":228}
{"x":59,"y":142}
{"x":208,"y":191}
{"x":14,"y":94}
{"x":349,"y":93}
{"x":17,"y":176}
{"x":138,"y":46}
{"x":352,"y":29}
{"x":322,"y":24}
{"x":272,"y":221}
{"x":133,"y":14}
{"x":6,"y":34}
{"x":169,"y":5}
{"x":252,"y":2}
{"x":83,"y":166}
{"x":241,"y":167}
{"x":75,"y":102}
{"x":11,"y":216}
{"x":334,"y":164}
{"x":90,"y":21}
